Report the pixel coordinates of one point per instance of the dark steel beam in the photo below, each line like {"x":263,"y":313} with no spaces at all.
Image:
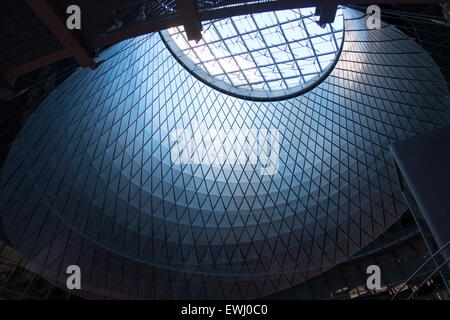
{"x":75,"y":48}
{"x":226,"y":12}
{"x":192,"y":25}
{"x":36,"y":64}
{"x":70,"y":41}
{"x":136,"y":31}
{"x":243,"y":8}
{"x":327,"y":11}
{"x":370,"y":2}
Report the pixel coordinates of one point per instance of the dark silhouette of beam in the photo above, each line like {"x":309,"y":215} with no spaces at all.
{"x":50,"y":17}
{"x":192,"y":25}
{"x":243,"y":8}
{"x":240,"y":8}
{"x":136,"y":31}
{"x":327,"y":11}
{"x":36,"y":64}
{"x":186,"y":11}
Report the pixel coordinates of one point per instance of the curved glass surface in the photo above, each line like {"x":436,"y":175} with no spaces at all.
{"x":263,"y":56}
{"x":98,"y":176}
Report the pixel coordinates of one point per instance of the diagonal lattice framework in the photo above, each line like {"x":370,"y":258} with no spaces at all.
{"x":90,"y":179}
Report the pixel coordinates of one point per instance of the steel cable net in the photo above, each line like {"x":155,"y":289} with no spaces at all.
{"x":91,"y":179}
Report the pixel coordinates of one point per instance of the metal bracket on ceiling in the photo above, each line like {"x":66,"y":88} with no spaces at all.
{"x":327,"y":11}
{"x":188,"y":13}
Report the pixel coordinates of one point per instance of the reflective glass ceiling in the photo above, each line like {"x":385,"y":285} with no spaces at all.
{"x":271,"y":55}
{"x":90,"y":179}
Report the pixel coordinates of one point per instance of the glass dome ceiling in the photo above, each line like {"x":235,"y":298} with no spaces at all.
{"x":264,"y":56}
{"x":90,"y":179}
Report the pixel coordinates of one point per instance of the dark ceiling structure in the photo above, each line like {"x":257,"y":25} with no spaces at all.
{"x":380,"y":91}
{"x":91,"y":178}
{"x":34,"y":33}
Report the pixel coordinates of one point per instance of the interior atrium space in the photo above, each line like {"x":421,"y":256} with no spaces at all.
{"x":224,"y":150}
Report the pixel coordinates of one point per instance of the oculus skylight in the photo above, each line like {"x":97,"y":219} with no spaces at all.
{"x":264,"y":56}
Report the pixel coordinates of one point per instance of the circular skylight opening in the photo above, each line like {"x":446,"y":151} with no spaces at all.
{"x":264,"y":56}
